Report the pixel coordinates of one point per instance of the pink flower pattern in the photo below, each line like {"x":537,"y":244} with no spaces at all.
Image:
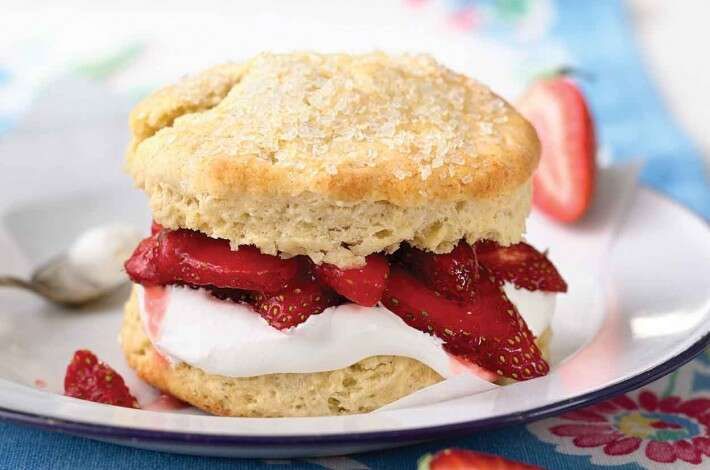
{"x":666,"y":430}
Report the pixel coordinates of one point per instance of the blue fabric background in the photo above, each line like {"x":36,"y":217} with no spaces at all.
{"x":630,"y":115}
{"x":632,"y":121}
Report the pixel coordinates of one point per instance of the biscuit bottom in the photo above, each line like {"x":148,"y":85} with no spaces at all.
{"x":359,"y":388}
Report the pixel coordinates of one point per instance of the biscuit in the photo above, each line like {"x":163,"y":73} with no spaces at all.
{"x":334,"y":156}
{"x":362,"y":387}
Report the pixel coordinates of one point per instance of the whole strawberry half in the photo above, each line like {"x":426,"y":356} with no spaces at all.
{"x":564,"y":181}
{"x":90,"y":379}
{"x":452,"y":274}
{"x":520,"y":264}
{"x":486,"y":329}
{"x":455,"y":459}
{"x":363,"y":285}
{"x":190,"y":257}
{"x":295,"y":302}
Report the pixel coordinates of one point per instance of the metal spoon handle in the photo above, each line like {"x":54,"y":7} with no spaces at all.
{"x":12,"y":281}
{"x":39,"y":288}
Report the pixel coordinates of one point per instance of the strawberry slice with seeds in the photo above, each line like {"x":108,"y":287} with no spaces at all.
{"x":458,"y":459}
{"x":564,"y":181}
{"x":486,"y":330}
{"x":451,"y":274}
{"x":520,"y":264}
{"x":298,"y":300}
{"x":90,"y":379}
{"x":364,"y":285}
{"x":190,"y":257}
{"x":427,"y":310}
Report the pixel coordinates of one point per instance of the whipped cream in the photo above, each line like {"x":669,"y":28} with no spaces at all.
{"x":230,"y":339}
{"x":536,"y":307}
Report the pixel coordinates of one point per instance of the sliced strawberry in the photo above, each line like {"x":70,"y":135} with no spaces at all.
{"x":364,"y":285}
{"x":90,"y":379}
{"x":298,"y":300}
{"x":520,"y":264}
{"x":190,"y":257}
{"x":451,"y":274}
{"x":454,"y":321}
{"x":564,"y":181}
{"x":143,"y":265}
{"x":486,"y":330}
{"x":458,"y":459}
{"x":155,"y":227}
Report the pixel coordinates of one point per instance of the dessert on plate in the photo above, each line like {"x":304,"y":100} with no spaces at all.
{"x":332,"y":233}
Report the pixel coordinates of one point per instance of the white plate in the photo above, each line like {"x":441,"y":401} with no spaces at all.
{"x":645,"y":314}
{"x":648,"y":313}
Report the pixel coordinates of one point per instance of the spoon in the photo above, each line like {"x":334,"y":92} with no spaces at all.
{"x":91,"y":269}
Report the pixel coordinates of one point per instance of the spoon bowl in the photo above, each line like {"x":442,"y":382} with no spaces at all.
{"x":89,"y":271}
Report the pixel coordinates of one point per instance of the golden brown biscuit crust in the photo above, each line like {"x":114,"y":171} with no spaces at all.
{"x":334,"y":156}
{"x":372,"y":127}
{"x":360,"y":388}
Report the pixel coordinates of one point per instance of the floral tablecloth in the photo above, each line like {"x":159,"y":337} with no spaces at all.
{"x":663,"y":425}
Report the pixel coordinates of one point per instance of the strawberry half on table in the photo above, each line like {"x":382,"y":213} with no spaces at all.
{"x":563,"y":184}
{"x":458,"y":459}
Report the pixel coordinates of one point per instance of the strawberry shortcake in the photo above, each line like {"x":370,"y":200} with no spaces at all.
{"x":332,"y":233}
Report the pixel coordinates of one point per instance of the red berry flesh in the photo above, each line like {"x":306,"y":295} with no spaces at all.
{"x":190,"y":257}
{"x":520,"y":264}
{"x":487,"y":329}
{"x":363,"y":286}
{"x":88,"y":378}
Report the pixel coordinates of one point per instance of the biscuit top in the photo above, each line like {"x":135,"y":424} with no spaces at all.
{"x":371,"y":127}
